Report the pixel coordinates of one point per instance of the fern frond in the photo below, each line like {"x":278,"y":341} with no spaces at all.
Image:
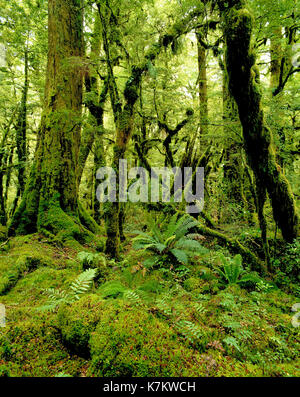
{"x":78,"y":287}
{"x":172,"y":226}
{"x":184,"y":225}
{"x":111,"y":289}
{"x":200,"y":309}
{"x":180,"y":255}
{"x":190,"y":245}
{"x":83,"y":282}
{"x":189,"y":330}
{"x":133,"y":297}
{"x":155,"y":230}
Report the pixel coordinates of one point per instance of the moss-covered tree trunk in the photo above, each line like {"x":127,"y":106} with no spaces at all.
{"x":245,"y":88}
{"x":21,"y":139}
{"x":124,"y":130}
{"x":232,"y":159}
{"x":50,"y":202}
{"x":202,"y":86}
{"x":276,"y":57}
{"x":6,"y":153}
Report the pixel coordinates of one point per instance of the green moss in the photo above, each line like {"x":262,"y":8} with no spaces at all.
{"x":132,"y":342}
{"x":77,"y":322}
{"x":23,"y":264}
{"x":192,"y":283}
{"x":119,"y":337}
{"x":3,"y":233}
{"x":33,"y":348}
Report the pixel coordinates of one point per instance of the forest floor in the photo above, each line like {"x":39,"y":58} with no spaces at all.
{"x":133,"y":322}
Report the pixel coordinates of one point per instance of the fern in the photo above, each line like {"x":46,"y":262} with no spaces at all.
{"x":190,"y":331}
{"x":83,"y":283}
{"x":231,"y":341}
{"x":133,"y":297}
{"x":169,"y":245}
{"x":111,"y":289}
{"x":233,"y":272}
{"x":79,"y":287}
{"x":115,"y":289}
{"x":88,"y":259}
{"x":200,"y":309}
{"x":164,"y":307}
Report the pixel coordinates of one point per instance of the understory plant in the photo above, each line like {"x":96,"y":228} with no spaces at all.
{"x":233,"y":272}
{"x":79,"y":287}
{"x":169,"y":244}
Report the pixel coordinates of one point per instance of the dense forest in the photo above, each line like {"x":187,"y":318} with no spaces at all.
{"x":114,"y":115}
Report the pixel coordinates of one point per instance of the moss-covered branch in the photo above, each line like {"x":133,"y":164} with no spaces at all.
{"x":235,"y":247}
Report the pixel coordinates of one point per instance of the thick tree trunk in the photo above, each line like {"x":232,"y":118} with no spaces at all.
{"x":50,"y":203}
{"x":245,"y":88}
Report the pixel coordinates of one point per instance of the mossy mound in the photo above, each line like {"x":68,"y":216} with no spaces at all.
{"x":33,"y":348}
{"x":23,"y":265}
{"x":25,"y":255}
{"x":130,"y":341}
{"x":77,"y":322}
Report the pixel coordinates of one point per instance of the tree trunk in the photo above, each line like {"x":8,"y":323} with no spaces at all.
{"x":232,"y":129}
{"x":245,"y":88}
{"x":276,"y":57}
{"x":21,"y":141}
{"x":203,"y":99}
{"x":49,"y":202}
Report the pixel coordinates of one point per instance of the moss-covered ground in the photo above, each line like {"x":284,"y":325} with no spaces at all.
{"x":134,"y":322}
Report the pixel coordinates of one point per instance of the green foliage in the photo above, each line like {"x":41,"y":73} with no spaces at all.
{"x":3,"y":233}
{"x":22,"y":265}
{"x":88,"y":259}
{"x":287,"y":267}
{"x":169,"y":245}
{"x":63,"y":375}
{"x":192,"y":283}
{"x":113,"y":331}
{"x":233,"y":272}
{"x":79,"y":287}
